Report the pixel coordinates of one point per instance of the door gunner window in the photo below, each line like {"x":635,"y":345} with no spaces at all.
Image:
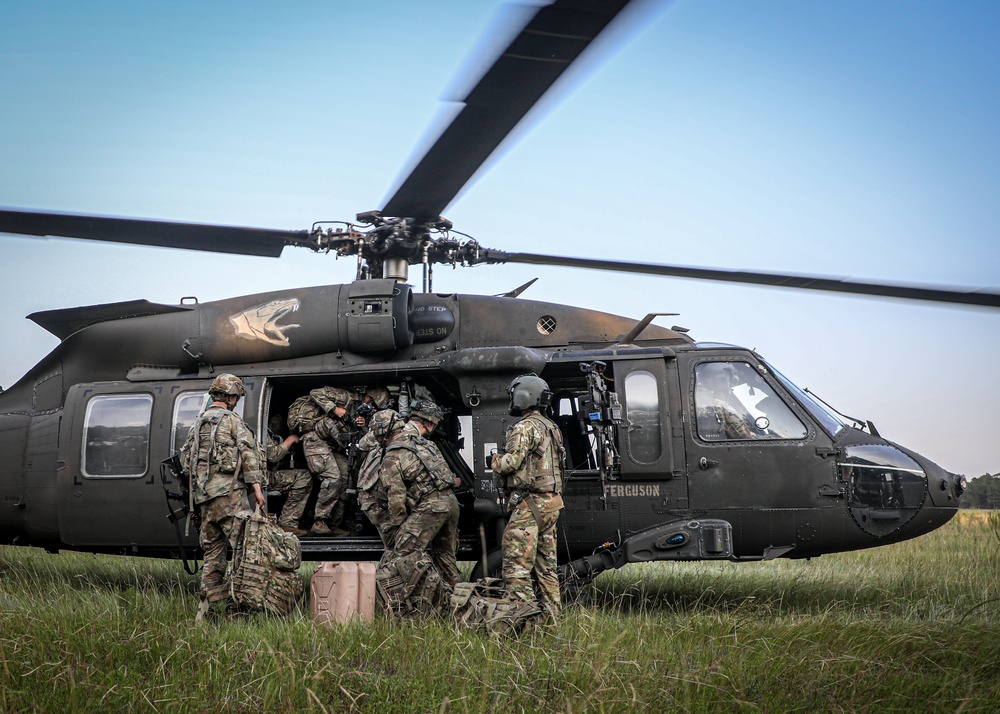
{"x":116,"y":435}
{"x":643,"y":404}
{"x":734,"y":403}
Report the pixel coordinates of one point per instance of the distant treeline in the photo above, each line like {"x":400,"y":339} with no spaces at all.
{"x":983,"y":492}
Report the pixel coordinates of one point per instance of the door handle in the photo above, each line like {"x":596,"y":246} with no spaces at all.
{"x":704,"y":463}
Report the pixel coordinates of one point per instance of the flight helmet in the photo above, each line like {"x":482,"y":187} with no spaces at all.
{"x":529,"y":391}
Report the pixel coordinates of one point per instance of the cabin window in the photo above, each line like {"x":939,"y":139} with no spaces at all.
{"x":116,"y":435}
{"x":642,"y":397}
{"x":734,"y":403}
{"x":187,"y":407}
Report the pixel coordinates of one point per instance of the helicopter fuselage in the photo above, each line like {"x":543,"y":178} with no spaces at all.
{"x":676,"y":450}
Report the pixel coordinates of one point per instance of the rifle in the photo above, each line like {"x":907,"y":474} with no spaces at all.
{"x":176,"y":513}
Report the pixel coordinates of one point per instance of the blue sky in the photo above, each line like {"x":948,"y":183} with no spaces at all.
{"x":851,"y":138}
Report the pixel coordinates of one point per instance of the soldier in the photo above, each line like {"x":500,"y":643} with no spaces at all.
{"x":720,"y":414}
{"x":531,"y":473}
{"x":294,"y":483}
{"x":222,"y":458}
{"x":323,"y":443}
{"x":326,"y":442}
{"x":429,"y":505}
{"x":373,"y":492}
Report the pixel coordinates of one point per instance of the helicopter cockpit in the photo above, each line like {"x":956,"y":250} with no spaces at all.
{"x":733,"y":402}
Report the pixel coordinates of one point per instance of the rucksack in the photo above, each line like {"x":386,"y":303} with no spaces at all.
{"x":484,"y":605}
{"x":411,"y":586}
{"x":264,"y":574}
{"x":303,"y":415}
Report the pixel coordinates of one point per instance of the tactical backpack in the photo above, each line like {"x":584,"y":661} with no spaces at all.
{"x":411,"y":586}
{"x":264,"y":573}
{"x":303,"y":415}
{"x":483,"y":605}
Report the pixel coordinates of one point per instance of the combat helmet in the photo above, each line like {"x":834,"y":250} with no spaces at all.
{"x":380,"y":396}
{"x":427,"y":410}
{"x":529,"y":391}
{"x":383,"y":423}
{"x":228,"y":384}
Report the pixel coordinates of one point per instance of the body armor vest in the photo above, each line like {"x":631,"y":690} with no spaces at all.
{"x":544,"y":464}
{"x":436,"y":475}
{"x":218,"y":457}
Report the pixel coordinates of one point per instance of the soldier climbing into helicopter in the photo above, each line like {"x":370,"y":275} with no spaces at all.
{"x":531,"y":472}
{"x":374,"y":487}
{"x":222,"y":459}
{"x":295,"y":484}
{"x":330,"y":421}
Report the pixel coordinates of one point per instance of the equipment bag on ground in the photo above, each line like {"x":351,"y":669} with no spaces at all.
{"x":264,"y":571}
{"x":484,"y":605}
{"x":411,"y":586}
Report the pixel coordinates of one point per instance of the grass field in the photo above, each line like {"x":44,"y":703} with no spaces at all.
{"x":905,"y":628}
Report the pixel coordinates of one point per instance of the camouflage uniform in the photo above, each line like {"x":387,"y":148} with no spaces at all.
{"x":373,"y":494}
{"x":419,"y":483}
{"x":325,"y":454}
{"x":223,"y":457}
{"x":531,"y":472}
{"x":294,"y":483}
{"x":725,"y":420}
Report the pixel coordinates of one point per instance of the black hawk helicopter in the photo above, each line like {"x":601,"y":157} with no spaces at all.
{"x":677,"y":450}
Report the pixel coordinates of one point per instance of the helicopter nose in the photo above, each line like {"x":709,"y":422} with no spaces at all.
{"x":958,"y":482}
{"x":944,"y":488}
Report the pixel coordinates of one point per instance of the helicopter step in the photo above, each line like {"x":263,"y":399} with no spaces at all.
{"x":689,"y":539}
{"x":364,"y":547}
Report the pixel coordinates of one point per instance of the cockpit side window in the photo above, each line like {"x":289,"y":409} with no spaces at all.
{"x":734,"y":403}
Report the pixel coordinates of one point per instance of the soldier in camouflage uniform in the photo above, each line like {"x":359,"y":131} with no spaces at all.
{"x":373,"y":492}
{"x":222,"y":458}
{"x":294,"y":483}
{"x":325,"y":443}
{"x":530,"y":472}
{"x":429,"y":504}
{"x":720,"y":414}
{"x":325,"y":453}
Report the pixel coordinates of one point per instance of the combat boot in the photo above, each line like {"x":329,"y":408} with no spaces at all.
{"x":321,"y":529}
{"x":205,"y":612}
{"x":293,"y":530}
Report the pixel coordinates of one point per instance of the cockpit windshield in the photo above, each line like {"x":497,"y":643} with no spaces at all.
{"x":830,"y":420}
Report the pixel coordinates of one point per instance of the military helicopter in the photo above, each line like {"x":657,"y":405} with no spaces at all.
{"x":655,"y":472}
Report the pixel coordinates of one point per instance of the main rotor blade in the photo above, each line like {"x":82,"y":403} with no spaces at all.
{"x":191,"y":236}
{"x":983,"y":298}
{"x":553,"y":38}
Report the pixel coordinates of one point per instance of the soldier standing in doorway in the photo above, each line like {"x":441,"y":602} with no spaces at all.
{"x":530,"y":472}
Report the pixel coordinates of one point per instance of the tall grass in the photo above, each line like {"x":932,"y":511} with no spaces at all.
{"x":910,"y":627}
